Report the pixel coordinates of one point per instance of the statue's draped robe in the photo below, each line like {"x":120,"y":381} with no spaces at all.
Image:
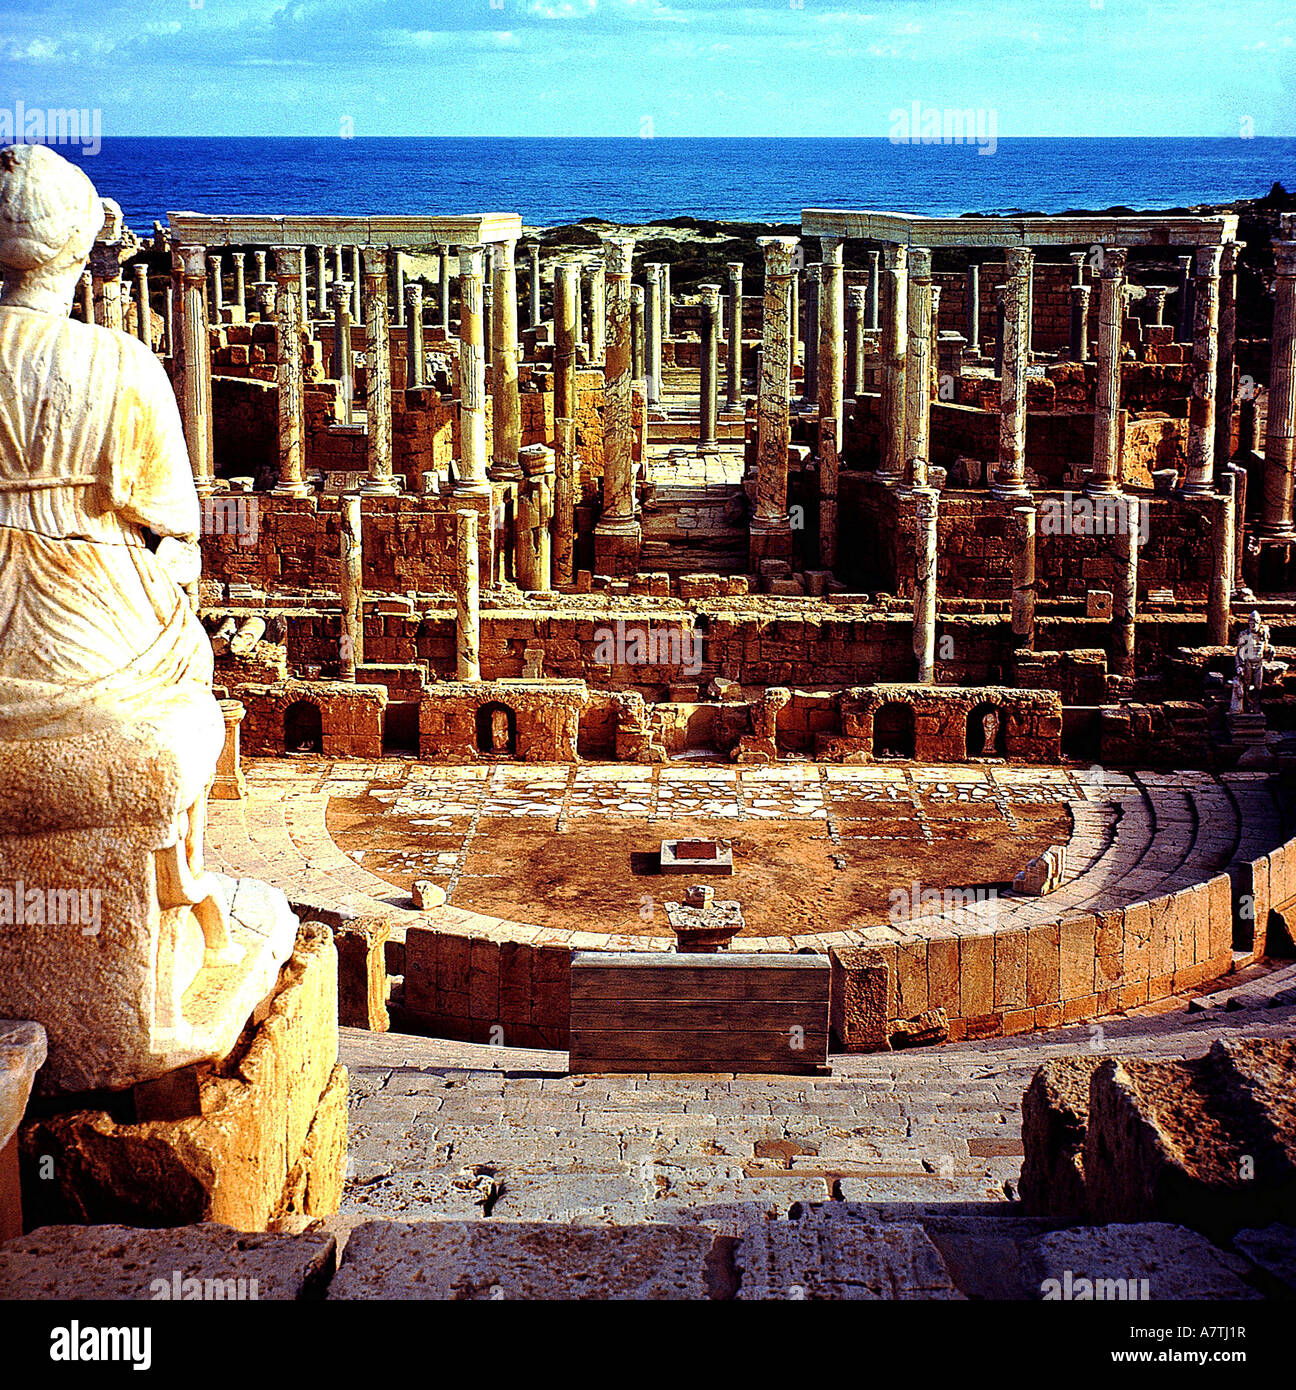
{"x":94,"y":633}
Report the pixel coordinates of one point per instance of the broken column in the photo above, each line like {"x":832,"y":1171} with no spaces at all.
{"x":506,"y":408}
{"x":471,"y":473}
{"x":532,"y":562}
{"x":351,"y":650}
{"x":917,"y":428}
{"x":288,"y":372}
{"x":564,"y":509}
{"x":196,"y":398}
{"x":1280,"y":427}
{"x":1200,"y":476}
{"x":466,"y":582}
{"x":925,"y":549}
{"x":1010,"y":480}
{"x":1125,"y":588}
{"x":413,"y":336}
{"x":893,"y":349}
{"x":341,"y":367}
{"x":1104,"y":475}
{"x":831,"y":345}
{"x":378,"y":413}
{"x":771,"y":532}
{"x":1023,"y":590}
{"x":734,"y":395}
{"x":1223,"y":535}
{"x":617,"y":535}
{"x":707,"y":377}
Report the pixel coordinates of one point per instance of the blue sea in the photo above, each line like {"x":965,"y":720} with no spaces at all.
{"x":552,"y":181}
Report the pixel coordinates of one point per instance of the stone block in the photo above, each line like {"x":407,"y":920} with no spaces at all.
{"x":1055,"y":1115}
{"x":362,"y":973}
{"x":859,"y":988}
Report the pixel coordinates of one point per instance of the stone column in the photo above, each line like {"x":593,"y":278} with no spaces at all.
{"x":1224,"y":387}
{"x":894,"y":347}
{"x":170,"y":296}
{"x":596,"y":295}
{"x":1077,"y":259}
{"x":618,"y":534}
{"x":351,"y":652}
{"x":667,"y":300}
{"x":1219,"y":600}
{"x":566,"y":280}
{"x":414,"y":336}
{"x":874,"y":301}
{"x":321,"y":282}
{"x":534,"y":250}
{"x":1105,"y":474}
{"x":196,"y":392}
{"x":87,"y":298}
{"x":652,"y":332}
{"x":1280,"y":426}
{"x":637,"y":332}
{"x":1156,"y":296}
{"x":260,"y":258}
{"x":143,"y":316}
{"x":1079,"y":345}
{"x":831,"y":348}
{"x":240,"y":284}
{"x":810,"y":378}
{"x":1125,"y":588}
{"x":342,"y":368}
{"x":973,"y":307}
{"x":506,"y":408}
{"x":443,"y":289}
{"x":918,"y":368}
{"x":710,"y":351}
{"x":998,"y":293}
{"x":1184,"y":326}
{"x":488,"y":307}
{"x":229,"y":783}
{"x":1011,"y":478}
{"x":925,"y":550}
{"x":564,"y":519}
{"x":1023,"y":590}
{"x":378,"y":413}
{"x":472,"y":378}
{"x":734,"y":394}
{"x":535,"y":512}
{"x":858,"y":298}
{"x":466,"y":580}
{"x":1030,"y":306}
{"x":1200,"y":476}
{"x":288,"y":354}
{"x":217,"y":289}
{"x":771,"y":532}
{"x":398,"y":287}
{"x":357,"y":279}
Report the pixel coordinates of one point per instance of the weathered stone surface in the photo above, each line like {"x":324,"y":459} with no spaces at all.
{"x":818,"y":1258}
{"x":233,"y":1160}
{"x":1055,"y":1116}
{"x":362,"y":973}
{"x":22,"y":1052}
{"x":1272,"y":1249}
{"x":524,"y":1260}
{"x":1112,"y":1263}
{"x":858,"y":1012}
{"x":207,"y":1261}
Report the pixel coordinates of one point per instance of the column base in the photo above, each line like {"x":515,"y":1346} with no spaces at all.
{"x":509,"y":471}
{"x":1011,"y":492}
{"x":205,"y":487}
{"x":379,"y":487}
{"x":769,"y":541}
{"x":617,"y":542}
{"x":481,"y":488}
{"x":1109,"y":487}
{"x":1200,"y":491}
{"x":288,"y":490}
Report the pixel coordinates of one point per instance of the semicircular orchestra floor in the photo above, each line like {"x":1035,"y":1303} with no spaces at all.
{"x":823,"y":855}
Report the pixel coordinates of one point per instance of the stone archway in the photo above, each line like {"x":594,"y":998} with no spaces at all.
{"x":893,"y":730}
{"x":303,"y":728}
{"x":496,"y":730}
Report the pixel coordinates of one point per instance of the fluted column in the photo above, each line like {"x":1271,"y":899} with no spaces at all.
{"x":466,"y":575}
{"x":596,"y":296}
{"x":443,"y":289}
{"x":472,"y":375}
{"x":351,"y":653}
{"x":1280,"y":426}
{"x":342,"y":365}
{"x":918,"y":368}
{"x":1200,"y":476}
{"x":771,"y":533}
{"x":874,"y":292}
{"x":414,"y":336}
{"x":506,"y":408}
{"x":652,"y":332}
{"x":617,"y":535}
{"x":894,"y":345}
{"x":707,"y":376}
{"x":196,"y":359}
{"x":378,"y":411}
{"x":566,"y":280}
{"x":1011,"y":478}
{"x":734,"y":395}
{"x":637,"y":300}
{"x":926,"y":502}
{"x":288,"y":353}
{"x":831,"y":346}
{"x":534,"y":252}
{"x":1105,"y":475}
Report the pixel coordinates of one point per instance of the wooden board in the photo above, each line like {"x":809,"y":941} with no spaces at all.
{"x":643,"y":1012}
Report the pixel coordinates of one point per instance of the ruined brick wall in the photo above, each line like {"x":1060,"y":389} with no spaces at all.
{"x":245,"y":428}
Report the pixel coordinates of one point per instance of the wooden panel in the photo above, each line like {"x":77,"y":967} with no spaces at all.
{"x":656,"y":1012}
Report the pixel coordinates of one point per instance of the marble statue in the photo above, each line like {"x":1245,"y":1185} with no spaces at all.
{"x":109,"y":730}
{"x":1253,"y":651}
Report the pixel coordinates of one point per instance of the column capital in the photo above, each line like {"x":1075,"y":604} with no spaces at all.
{"x":374,"y":262}
{"x":1232,"y":254}
{"x":340,"y":294}
{"x":858,"y":296}
{"x":472,"y":262}
{"x":830,"y":249}
{"x":920,"y":263}
{"x":710,"y":294}
{"x":190,"y":261}
{"x":1113,"y":262}
{"x":1018,"y":259}
{"x":618,"y":254}
{"x":1284,"y":253}
{"x":735,"y":269}
{"x":505,"y":254}
{"x":414,"y":294}
{"x":288,"y":262}
{"x":1206,"y":261}
{"x":895,"y":258}
{"x":780,"y":253}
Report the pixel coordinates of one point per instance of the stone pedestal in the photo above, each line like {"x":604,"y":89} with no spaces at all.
{"x":229,"y":783}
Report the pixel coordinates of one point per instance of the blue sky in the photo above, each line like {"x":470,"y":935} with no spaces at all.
{"x":665,"y":67}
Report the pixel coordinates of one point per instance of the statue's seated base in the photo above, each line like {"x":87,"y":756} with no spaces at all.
{"x":134,"y":960}
{"x":247,"y":1141}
